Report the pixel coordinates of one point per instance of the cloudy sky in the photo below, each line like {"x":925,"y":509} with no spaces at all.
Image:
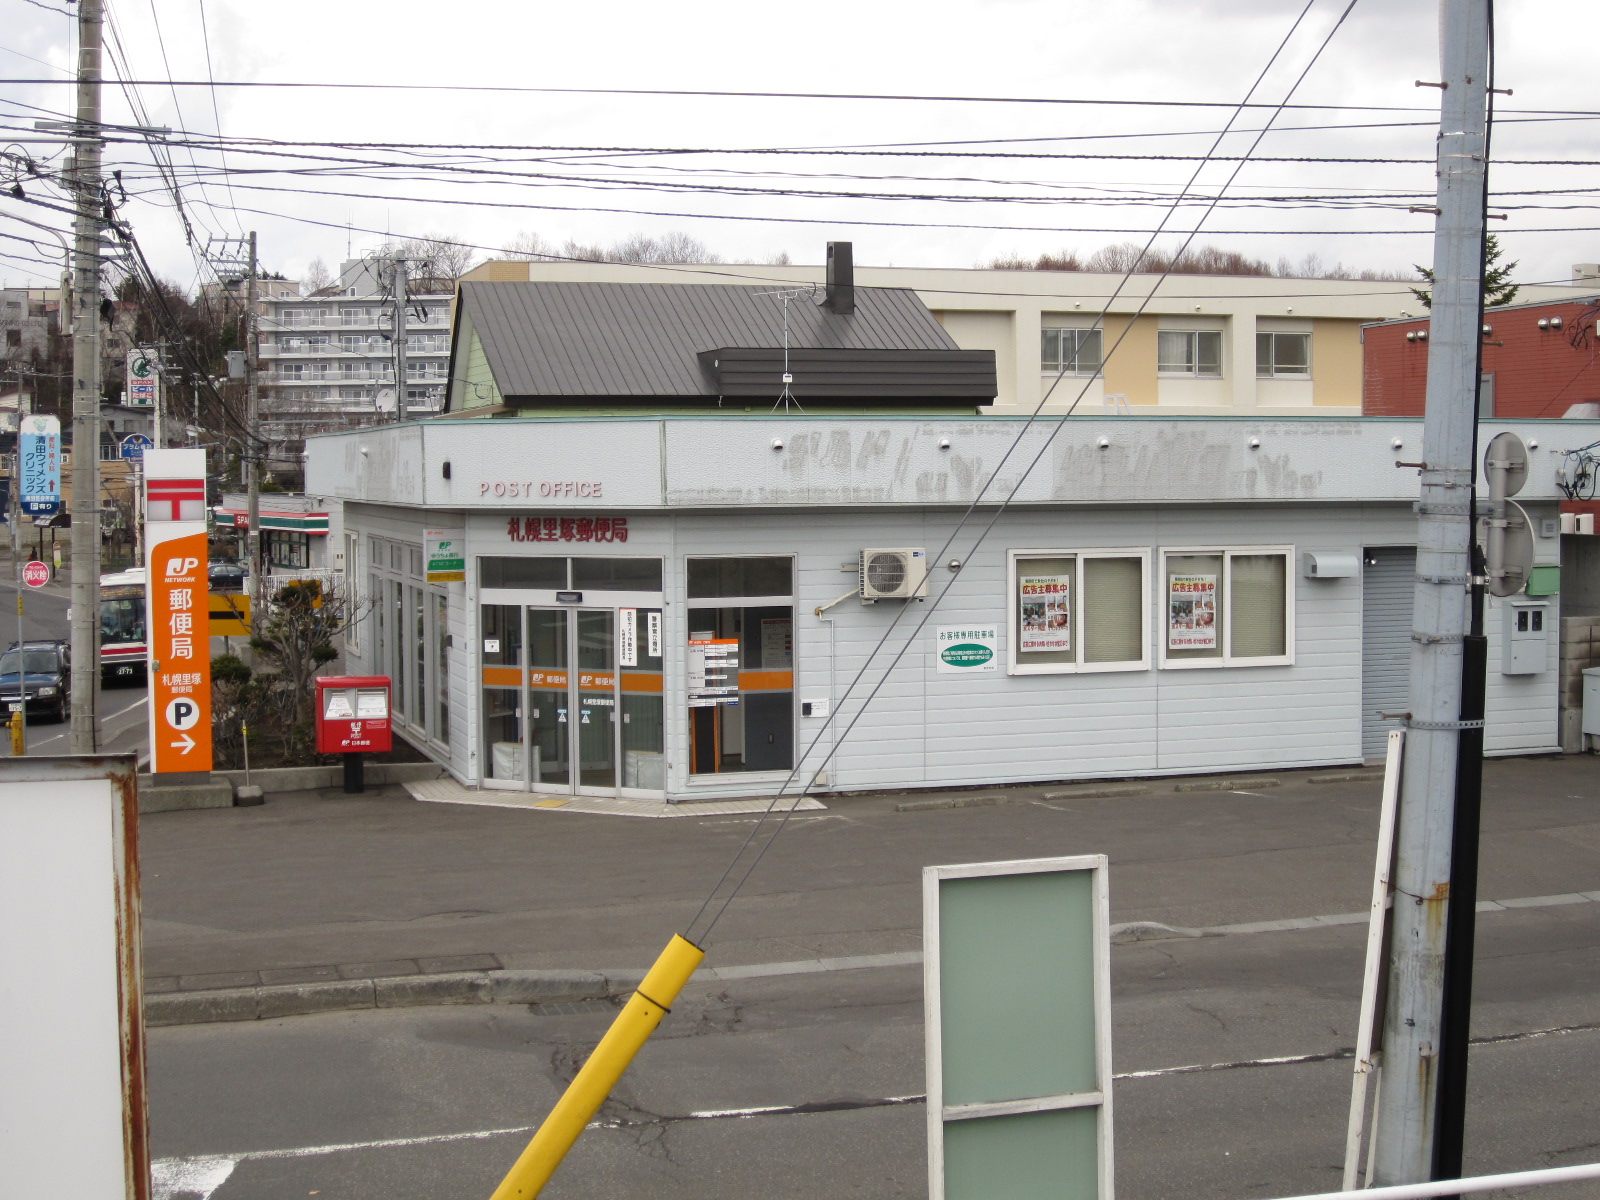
{"x":959,"y":162}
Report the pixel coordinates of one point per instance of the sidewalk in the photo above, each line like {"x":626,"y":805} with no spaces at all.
{"x":318,"y":900}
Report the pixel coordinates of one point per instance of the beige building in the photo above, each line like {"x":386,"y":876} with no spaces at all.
{"x":1200,"y":344}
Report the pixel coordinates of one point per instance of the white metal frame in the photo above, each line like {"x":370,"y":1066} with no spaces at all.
{"x":1079,"y":612}
{"x":1367,"y":1053}
{"x":1225,"y":633}
{"x":937,"y":1113}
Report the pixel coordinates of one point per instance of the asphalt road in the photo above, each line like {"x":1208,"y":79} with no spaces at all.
{"x":417,"y":1104}
{"x":435,"y":1102}
{"x":121,"y":708}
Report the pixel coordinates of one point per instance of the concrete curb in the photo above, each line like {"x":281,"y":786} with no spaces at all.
{"x":266,"y":1001}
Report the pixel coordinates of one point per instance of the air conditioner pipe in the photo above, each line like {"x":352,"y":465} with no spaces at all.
{"x":822,"y":608}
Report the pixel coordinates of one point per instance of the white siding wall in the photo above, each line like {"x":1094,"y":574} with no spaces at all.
{"x":924,"y":728}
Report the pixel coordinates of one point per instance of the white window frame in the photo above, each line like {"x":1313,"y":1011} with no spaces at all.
{"x":1077,"y":666}
{"x":1079,"y":333}
{"x":1225,"y":633}
{"x":1269,"y":369}
{"x":1193,"y":372}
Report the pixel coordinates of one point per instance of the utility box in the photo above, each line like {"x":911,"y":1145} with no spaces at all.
{"x":353,"y":714}
{"x":1524,"y":645}
{"x":1591,"y":701}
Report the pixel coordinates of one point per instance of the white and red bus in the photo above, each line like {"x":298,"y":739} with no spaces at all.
{"x":123,"y":650}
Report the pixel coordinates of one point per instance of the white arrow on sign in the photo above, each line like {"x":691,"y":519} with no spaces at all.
{"x":184,"y":744}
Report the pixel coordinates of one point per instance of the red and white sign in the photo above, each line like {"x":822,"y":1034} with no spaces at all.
{"x":175,"y":500}
{"x":36,"y":573}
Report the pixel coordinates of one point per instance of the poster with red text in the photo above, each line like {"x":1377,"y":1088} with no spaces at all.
{"x":1192,"y":612}
{"x":1046,"y":617}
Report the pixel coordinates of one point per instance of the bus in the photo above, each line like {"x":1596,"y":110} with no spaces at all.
{"x":123,"y":652}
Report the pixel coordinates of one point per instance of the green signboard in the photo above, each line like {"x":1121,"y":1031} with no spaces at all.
{"x":447,"y":556}
{"x":1019,"y":1078}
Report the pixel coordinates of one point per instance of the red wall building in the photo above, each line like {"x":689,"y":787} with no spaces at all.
{"x":1539,"y":360}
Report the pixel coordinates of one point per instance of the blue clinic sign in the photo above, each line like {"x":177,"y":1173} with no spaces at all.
{"x":40,"y":465}
{"x":134,"y":445}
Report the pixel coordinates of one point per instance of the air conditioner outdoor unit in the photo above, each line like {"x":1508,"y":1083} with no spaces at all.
{"x":893,"y":574}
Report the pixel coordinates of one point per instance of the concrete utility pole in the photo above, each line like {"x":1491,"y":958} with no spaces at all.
{"x":86,"y":386}
{"x":252,"y":426}
{"x":399,"y":274}
{"x":1407,"y":1099}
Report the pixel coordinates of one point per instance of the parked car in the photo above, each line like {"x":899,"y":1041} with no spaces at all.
{"x":46,"y":676}
{"x":228,"y":576}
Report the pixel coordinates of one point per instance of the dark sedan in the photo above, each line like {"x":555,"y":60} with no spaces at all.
{"x":46,"y":670}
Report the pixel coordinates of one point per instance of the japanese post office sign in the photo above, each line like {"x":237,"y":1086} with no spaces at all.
{"x":180,"y":655}
{"x":178,"y":614}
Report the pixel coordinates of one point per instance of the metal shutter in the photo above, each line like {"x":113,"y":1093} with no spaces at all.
{"x":1387,"y":591}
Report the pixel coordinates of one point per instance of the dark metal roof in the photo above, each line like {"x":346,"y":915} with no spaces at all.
{"x":644,"y":339}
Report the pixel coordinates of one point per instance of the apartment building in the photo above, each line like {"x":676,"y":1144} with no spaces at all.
{"x":328,"y":359}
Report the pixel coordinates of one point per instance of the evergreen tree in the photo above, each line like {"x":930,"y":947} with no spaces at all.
{"x":1498,"y":290}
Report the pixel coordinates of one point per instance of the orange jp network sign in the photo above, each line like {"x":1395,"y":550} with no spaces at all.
{"x":180,"y":654}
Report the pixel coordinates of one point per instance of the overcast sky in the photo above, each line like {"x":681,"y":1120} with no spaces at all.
{"x":970,"y":206}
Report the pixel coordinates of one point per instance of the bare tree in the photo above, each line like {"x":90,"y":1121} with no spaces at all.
{"x":437,"y":257}
{"x":316,"y":278}
{"x":528,"y":246}
{"x":295,"y":638}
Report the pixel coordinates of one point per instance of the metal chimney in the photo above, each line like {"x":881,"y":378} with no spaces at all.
{"x":840,"y":296}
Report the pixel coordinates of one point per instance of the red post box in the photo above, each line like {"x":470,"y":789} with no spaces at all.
{"x":352,"y":718}
{"x":353,"y":714}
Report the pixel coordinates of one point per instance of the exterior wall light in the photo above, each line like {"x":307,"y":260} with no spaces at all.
{"x":1556,"y":322}
{"x":1544,"y":323}
{"x":777,"y":443}
{"x":1104,"y":443}
{"x":1422,"y":335}
{"x":1255,"y":443}
{"x":944,"y":443}
{"x":1487,"y":330}
{"x":1411,"y":335}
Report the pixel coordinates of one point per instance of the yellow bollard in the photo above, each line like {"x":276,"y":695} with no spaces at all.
{"x":589,"y":1089}
{"x":19,"y":744}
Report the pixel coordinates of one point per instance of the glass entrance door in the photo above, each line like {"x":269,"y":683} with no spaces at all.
{"x":573,"y":700}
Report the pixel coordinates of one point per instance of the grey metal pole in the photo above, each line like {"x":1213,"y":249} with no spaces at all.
{"x":253,"y":442}
{"x":400,"y":413}
{"x":16,"y":562}
{"x":1404,"y":1130}
{"x":86,"y":386}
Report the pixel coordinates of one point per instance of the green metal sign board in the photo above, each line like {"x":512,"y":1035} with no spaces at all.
{"x":1019,"y":1076}
{"x":447,"y":556}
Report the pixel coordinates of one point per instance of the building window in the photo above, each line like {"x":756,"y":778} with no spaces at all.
{"x":355,"y":316}
{"x":1283,"y":355}
{"x":1078,"y":611}
{"x":1071,"y":351}
{"x":354,"y":343}
{"x":741,"y":664}
{"x":1227,"y":608}
{"x":1196,"y":353}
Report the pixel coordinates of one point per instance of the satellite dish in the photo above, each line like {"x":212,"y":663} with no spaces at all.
{"x":1509,"y":569}
{"x":1505,"y":465}
{"x":385,"y":399}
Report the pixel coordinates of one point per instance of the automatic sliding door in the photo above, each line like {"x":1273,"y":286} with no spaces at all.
{"x":596,"y":696}
{"x":550,"y":723}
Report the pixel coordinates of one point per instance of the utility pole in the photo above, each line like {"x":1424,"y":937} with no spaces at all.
{"x":399,"y":275}
{"x":86,"y":385}
{"x":1405,"y":1128}
{"x":252,"y":427}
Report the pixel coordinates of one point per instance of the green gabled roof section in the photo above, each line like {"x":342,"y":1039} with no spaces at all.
{"x":475,"y":387}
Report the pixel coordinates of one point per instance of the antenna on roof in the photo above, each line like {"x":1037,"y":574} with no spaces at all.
{"x":786,"y":397}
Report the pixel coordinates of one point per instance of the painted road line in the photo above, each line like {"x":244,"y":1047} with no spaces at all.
{"x":202,"y":1174}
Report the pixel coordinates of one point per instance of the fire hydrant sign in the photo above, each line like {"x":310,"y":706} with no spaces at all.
{"x":179,"y":617}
